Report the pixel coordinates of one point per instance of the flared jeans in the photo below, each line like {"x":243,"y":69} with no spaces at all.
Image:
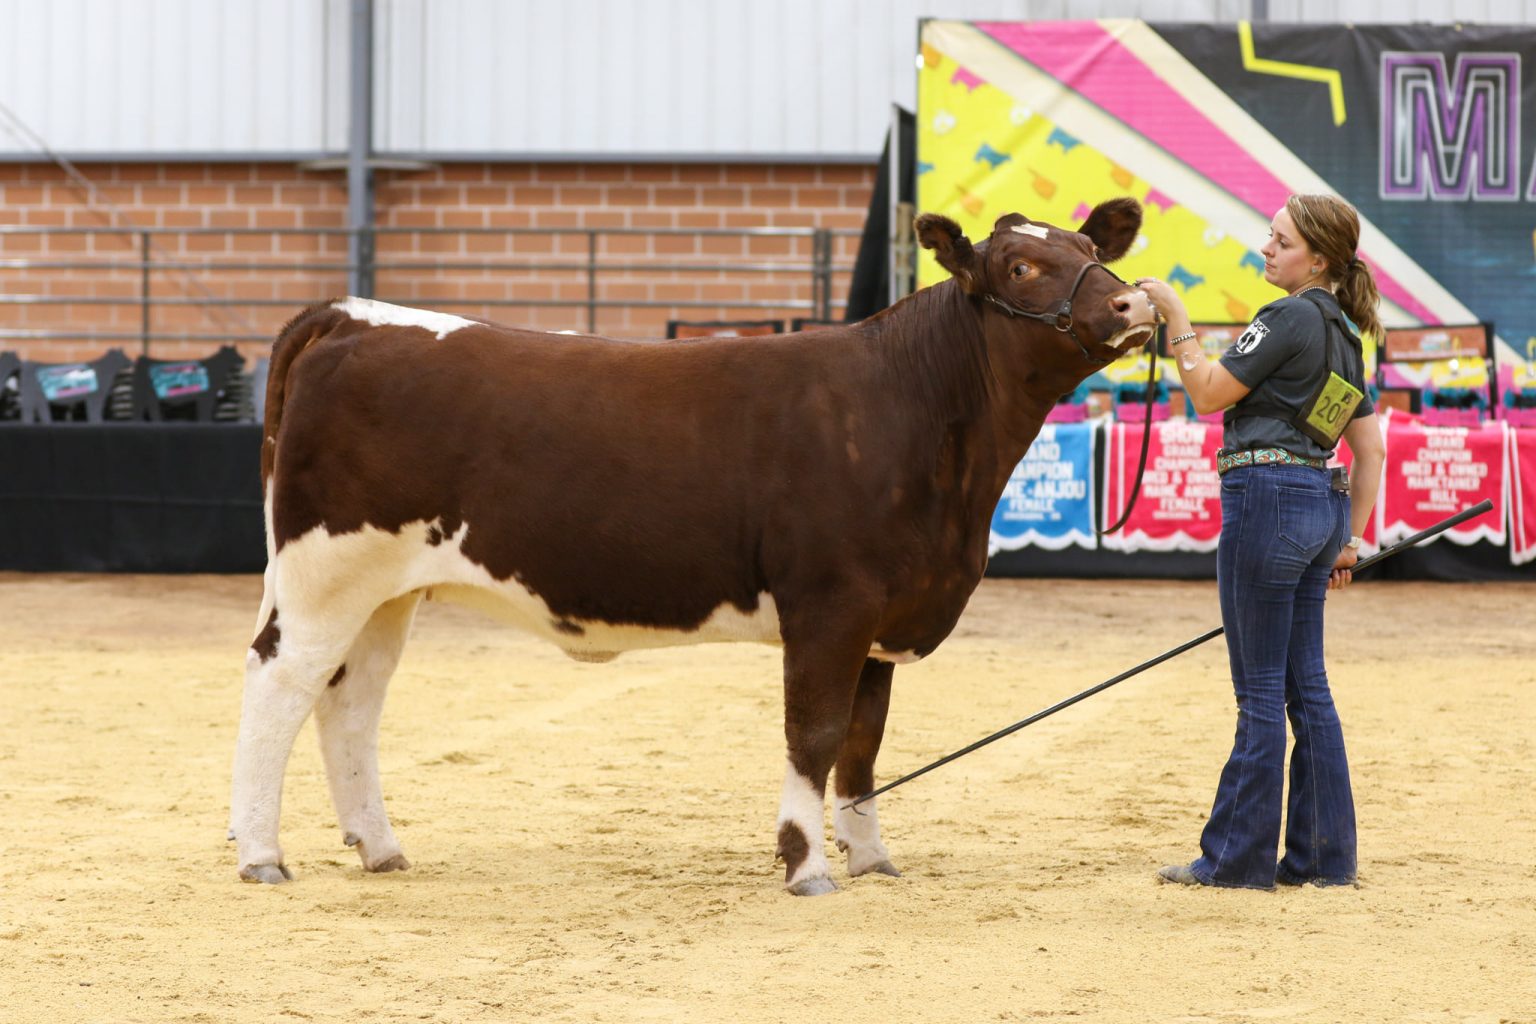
{"x":1282,"y":527}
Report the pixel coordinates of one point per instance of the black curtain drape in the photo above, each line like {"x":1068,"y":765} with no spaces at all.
{"x":870,"y":290}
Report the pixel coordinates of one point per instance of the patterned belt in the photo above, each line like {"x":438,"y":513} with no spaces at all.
{"x":1226,"y":460}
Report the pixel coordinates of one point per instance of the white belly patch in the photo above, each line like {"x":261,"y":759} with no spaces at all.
{"x":894,"y":657}
{"x":390,"y":564}
{"x":377,"y":565}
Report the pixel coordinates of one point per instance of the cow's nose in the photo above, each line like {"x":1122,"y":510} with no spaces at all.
{"x":1125,"y":302}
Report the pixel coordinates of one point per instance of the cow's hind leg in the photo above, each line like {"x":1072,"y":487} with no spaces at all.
{"x":286,"y":669}
{"x":347,"y":718}
{"x":858,"y":830}
{"x":821,"y":668}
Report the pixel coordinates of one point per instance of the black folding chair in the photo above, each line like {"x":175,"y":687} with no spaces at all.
{"x":187,"y":389}
{"x":52,"y":392}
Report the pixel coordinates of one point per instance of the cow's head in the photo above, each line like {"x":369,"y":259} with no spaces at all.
{"x":1035,"y":273}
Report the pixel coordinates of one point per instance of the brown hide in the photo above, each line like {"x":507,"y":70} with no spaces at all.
{"x":649,"y":484}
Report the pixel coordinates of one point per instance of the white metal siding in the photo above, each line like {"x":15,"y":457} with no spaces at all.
{"x":210,"y":76}
{"x":524,"y":78}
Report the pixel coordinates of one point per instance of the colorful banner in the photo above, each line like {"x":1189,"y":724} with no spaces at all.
{"x":1049,"y":499}
{"x":1430,"y":473}
{"x":1522,"y":513}
{"x":1179,"y":508}
{"x":1435,"y":472}
{"x":1430,"y":130}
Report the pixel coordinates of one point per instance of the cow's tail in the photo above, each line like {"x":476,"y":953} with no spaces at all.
{"x":299,"y":333}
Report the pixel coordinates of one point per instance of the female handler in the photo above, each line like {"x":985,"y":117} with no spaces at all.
{"x":1290,"y":531}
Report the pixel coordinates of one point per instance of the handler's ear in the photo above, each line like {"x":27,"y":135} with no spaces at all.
{"x":949,"y":244}
{"x":1112,"y":227}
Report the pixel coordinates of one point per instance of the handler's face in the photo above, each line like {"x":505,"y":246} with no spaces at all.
{"x":1288,"y":259}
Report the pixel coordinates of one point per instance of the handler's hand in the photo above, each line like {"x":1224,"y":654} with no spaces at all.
{"x":1341,"y":575}
{"x":1162,"y":296}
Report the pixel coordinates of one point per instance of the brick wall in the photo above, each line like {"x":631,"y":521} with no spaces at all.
{"x":432,"y":222}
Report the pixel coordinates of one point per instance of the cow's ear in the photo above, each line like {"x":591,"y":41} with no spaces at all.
{"x":1112,"y":226}
{"x":954,"y":251}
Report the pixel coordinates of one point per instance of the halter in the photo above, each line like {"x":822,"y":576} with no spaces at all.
{"x":1062,"y":321}
{"x":1062,"y":318}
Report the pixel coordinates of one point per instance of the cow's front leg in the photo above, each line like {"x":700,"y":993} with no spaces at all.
{"x":347,"y":719}
{"x":821,"y":668}
{"x":858,"y":830}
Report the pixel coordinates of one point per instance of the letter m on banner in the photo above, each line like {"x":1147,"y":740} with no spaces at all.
{"x":1450,"y":137}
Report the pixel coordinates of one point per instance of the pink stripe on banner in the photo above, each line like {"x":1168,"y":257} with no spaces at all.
{"x":1087,"y":59}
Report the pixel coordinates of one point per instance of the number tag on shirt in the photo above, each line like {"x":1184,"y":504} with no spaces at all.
{"x":1324,"y":418}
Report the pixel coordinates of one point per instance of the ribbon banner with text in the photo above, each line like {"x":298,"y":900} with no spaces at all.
{"x":1434,"y":472}
{"x":1049,"y":499}
{"x":1179,"y":508}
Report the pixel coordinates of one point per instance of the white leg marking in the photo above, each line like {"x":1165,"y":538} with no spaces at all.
{"x":805,"y":808}
{"x":859,"y":834}
{"x":279,"y":694}
{"x":322,"y":603}
{"x":347,"y":716}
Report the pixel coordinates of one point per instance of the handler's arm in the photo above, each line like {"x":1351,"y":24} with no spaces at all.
{"x":1364,"y":437}
{"x":1209,"y":386}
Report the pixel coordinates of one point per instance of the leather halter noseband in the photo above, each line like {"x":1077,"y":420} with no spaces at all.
{"x":1062,"y":318}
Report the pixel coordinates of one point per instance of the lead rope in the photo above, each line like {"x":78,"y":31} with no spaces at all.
{"x":1146,"y":435}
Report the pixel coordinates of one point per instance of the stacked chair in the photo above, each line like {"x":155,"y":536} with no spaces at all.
{"x":70,"y":392}
{"x":204,"y":390}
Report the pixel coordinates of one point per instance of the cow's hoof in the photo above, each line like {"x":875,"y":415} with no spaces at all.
{"x":883,"y":867}
{"x":816,"y":885}
{"x":268,"y":874}
{"x":377,"y":864}
{"x":395,"y":863}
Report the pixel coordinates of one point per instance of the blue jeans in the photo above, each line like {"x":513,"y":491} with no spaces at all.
{"x":1281,"y":529}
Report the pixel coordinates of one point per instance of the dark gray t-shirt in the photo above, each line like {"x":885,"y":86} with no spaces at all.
{"x":1280,"y":357}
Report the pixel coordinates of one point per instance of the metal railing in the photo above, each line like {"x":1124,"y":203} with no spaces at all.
{"x":153,"y":269}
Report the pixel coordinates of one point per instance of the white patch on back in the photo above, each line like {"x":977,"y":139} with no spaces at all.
{"x":1249,"y":339}
{"x":1038,"y":230}
{"x":379,"y":314}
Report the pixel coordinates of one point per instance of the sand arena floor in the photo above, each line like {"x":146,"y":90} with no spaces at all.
{"x":595,"y":842}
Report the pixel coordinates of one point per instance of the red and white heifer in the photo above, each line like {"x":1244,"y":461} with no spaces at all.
{"x":828,"y":492}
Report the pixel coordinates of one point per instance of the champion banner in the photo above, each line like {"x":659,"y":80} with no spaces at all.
{"x":1049,"y":499}
{"x":1179,"y":508}
{"x":1434,"y":472}
{"x":1522,"y":460}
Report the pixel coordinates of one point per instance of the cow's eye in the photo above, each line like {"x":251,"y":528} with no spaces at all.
{"x":1019,"y":269}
